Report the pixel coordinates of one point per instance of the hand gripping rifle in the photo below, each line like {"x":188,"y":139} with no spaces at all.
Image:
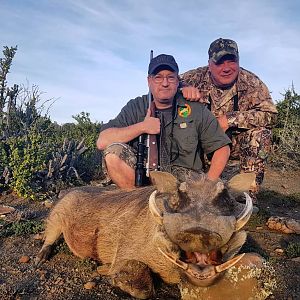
{"x":142,"y":172}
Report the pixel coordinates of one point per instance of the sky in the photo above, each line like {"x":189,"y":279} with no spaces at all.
{"x":92,"y":55}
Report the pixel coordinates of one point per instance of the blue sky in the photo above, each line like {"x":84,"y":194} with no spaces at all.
{"x":92,"y":55}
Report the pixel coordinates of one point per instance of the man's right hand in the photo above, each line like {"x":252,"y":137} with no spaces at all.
{"x":111,"y":135}
{"x":192,"y":94}
{"x":151,"y":125}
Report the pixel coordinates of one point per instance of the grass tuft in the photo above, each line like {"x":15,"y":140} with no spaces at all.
{"x":22,"y":228}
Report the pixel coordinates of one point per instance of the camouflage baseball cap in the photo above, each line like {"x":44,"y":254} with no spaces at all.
{"x":221,"y":47}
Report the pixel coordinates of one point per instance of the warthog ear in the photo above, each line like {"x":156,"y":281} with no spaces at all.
{"x":165,"y":182}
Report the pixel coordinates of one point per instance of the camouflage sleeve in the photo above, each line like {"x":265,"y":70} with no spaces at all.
{"x":251,"y":119}
{"x":193,"y":77}
{"x":256,"y":109}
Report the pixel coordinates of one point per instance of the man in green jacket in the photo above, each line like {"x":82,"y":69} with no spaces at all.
{"x":184,"y":130}
{"x":242,"y":104}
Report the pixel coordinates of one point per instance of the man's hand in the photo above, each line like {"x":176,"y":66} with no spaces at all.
{"x":151,"y":125}
{"x":223,"y":122}
{"x":111,"y":135}
{"x":218,"y":162}
{"x":191,"y":93}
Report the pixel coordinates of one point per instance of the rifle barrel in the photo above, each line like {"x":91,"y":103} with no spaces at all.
{"x":148,"y":136}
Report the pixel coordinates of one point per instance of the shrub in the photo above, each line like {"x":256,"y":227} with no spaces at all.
{"x":293,"y":250}
{"x":27,"y":156}
{"x":37,"y":156}
{"x":286,"y":149}
{"x":87,"y":132}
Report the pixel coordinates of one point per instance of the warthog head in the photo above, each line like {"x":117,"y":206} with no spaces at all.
{"x":203,"y":220}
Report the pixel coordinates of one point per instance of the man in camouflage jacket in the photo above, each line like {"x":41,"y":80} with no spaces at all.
{"x":242,"y":104}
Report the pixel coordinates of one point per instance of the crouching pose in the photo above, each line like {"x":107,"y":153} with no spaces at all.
{"x":183,"y":131}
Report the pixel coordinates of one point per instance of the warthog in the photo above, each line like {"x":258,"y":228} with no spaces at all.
{"x":182,"y":232}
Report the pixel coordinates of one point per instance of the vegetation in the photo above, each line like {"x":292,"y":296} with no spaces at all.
{"x":286,"y":149}
{"x":22,"y":228}
{"x":293,"y":250}
{"x":38,"y":157}
{"x":62,"y":247}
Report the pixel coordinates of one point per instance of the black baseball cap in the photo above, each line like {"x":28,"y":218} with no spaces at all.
{"x":162,"y":62}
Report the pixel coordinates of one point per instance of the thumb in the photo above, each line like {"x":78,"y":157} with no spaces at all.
{"x":148,"y":113}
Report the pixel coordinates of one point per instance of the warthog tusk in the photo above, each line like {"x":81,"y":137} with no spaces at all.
{"x":154,"y":209}
{"x":204,"y":276}
{"x":174,"y":260}
{"x":228,"y":264}
{"x":245,"y":215}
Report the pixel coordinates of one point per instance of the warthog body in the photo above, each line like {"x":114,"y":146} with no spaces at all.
{"x":188,"y":232}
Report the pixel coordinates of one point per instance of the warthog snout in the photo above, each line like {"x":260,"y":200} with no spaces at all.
{"x":197,"y":238}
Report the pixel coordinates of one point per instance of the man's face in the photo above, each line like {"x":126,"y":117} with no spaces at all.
{"x":163,"y":87}
{"x":225,"y":71}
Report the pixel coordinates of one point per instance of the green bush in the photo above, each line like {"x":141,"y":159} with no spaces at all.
{"x":293,"y":250}
{"x":4,"y":158}
{"x":286,"y":134}
{"x":27,"y":156}
{"x":38,"y":157}
{"x":89,"y":166}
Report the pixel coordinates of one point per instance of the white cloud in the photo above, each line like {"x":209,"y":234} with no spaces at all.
{"x":93,"y":55}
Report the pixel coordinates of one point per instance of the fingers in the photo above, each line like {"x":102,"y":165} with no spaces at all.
{"x":151,"y":124}
{"x":192,"y":94}
{"x":196,"y":95}
{"x":154,"y":126}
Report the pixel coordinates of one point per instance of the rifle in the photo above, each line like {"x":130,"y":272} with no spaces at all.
{"x":142,"y":171}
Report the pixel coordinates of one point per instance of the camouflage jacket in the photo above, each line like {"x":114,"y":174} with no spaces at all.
{"x":255,"y":105}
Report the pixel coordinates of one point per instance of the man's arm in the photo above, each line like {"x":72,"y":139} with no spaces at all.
{"x":256,"y":108}
{"x":252,"y":118}
{"x":190,"y":83}
{"x":218,"y":162}
{"x":108,"y":136}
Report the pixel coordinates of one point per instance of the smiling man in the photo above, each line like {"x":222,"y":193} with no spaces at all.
{"x":242,"y":104}
{"x":183,"y":130}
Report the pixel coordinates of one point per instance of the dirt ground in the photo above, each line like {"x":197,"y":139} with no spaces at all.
{"x":65,"y":276}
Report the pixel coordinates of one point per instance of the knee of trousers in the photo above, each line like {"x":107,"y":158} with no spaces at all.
{"x":122,"y":151}
{"x":255,"y":143}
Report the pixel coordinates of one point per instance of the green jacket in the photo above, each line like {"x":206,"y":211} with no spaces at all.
{"x":195,"y":130}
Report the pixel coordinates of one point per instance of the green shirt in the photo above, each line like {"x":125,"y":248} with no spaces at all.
{"x":195,"y":130}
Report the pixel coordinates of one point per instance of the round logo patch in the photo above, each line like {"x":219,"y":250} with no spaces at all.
{"x":184,"y":111}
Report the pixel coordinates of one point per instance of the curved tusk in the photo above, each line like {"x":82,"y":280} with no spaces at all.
{"x":228,"y":264}
{"x":154,"y":209}
{"x":245,"y":215}
{"x":174,"y":260}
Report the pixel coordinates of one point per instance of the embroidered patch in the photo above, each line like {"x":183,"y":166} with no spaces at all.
{"x":184,"y":111}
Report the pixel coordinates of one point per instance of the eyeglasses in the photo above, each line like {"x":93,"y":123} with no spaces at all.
{"x":160,"y":78}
